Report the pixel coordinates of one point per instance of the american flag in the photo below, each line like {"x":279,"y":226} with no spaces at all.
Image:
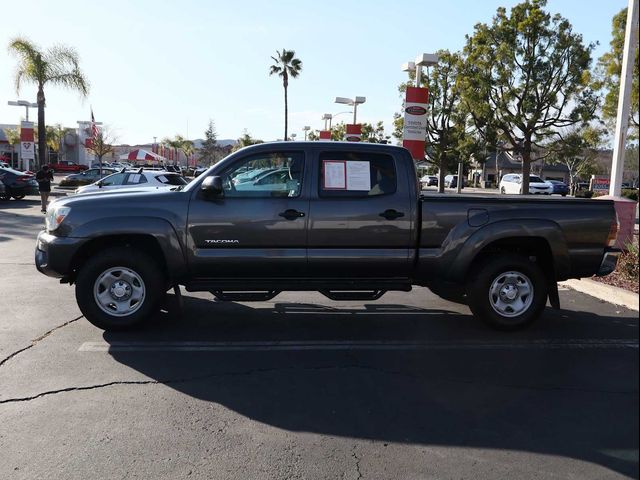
{"x":94,"y":127}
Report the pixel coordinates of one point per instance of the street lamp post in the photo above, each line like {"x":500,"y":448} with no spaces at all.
{"x":23,"y":103}
{"x":331,"y":116}
{"x":352,"y":102}
{"x":306,"y":130}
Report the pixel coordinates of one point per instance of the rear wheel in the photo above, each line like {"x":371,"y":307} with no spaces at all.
{"x":507,"y":291}
{"x":119,"y":288}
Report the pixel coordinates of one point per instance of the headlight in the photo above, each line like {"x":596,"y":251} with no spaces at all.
{"x":55,"y":216}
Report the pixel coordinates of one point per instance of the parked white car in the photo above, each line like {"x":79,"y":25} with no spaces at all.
{"x":138,"y":179}
{"x":512,"y":183}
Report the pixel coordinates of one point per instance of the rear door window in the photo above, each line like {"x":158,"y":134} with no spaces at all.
{"x":361,"y":174}
{"x":171,"y":179}
{"x":115,"y":179}
{"x":136,"y":179}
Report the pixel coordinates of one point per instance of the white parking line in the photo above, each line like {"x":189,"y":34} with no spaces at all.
{"x":539,"y":344}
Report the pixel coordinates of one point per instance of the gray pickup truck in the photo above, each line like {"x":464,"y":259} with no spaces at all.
{"x":344,"y":219}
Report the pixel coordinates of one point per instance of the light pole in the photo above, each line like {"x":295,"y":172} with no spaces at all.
{"x":422,"y":60}
{"x":330,"y":116}
{"x":23,"y":103}
{"x":306,"y":130}
{"x":293,"y":137}
{"x":352,"y":102}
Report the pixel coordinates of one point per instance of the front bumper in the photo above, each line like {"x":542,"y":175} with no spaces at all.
{"x":609,"y":261}
{"x":54,"y":255}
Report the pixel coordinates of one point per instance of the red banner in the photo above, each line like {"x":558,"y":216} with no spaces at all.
{"x":354,"y":133}
{"x":415,"y":121}
{"x":26,"y":132}
{"x":325,"y":134}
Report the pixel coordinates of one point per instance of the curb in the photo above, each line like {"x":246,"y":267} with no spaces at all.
{"x":604,"y":292}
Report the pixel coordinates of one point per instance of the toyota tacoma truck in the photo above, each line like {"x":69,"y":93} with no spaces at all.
{"x":347,"y":220}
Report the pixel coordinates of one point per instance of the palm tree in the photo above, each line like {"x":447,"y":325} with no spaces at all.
{"x":187,"y":148}
{"x":175,"y":144}
{"x":286,"y":66}
{"x":59,"y":65}
{"x":55,"y":136}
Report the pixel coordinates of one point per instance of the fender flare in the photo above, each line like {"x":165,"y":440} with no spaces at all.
{"x":160,"y":229}
{"x":464,"y":244}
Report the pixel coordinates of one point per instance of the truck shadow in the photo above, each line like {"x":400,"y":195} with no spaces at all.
{"x":327,"y":378}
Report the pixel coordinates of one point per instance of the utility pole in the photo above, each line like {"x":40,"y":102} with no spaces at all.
{"x":624,"y":97}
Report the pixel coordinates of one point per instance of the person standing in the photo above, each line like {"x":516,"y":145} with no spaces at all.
{"x":44,"y":178}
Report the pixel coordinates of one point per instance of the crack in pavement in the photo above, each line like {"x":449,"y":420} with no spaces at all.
{"x":331,"y":367}
{"x":35,"y":341}
{"x":354,"y":455}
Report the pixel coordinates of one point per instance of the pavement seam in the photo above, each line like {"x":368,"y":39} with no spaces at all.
{"x":355,"y":456}
{"x":332,"y":367}
{"x":35,"y":341}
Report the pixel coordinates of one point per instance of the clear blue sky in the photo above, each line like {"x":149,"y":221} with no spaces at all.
{"x":158,"y":68}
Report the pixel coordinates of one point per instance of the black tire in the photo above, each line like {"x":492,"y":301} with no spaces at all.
{"x":17,"y":197}
{"x":133,"y":266}
{"x":503,"y":273}
{"x":502,"y":191}
{"x":4,"y":197}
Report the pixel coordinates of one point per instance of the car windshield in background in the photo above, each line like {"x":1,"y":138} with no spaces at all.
{"x":171,"y":179}
{"x":534,"y":179}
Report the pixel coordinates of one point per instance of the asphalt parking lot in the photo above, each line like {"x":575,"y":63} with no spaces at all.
{"x":406,"y":387}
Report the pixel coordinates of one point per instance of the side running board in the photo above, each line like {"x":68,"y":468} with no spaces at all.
{"x":244,"y":296}
{"x":355,"y":295}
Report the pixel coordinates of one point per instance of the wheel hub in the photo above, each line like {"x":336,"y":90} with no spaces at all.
{"x":509,"y":292}
{"x":120,"y":290}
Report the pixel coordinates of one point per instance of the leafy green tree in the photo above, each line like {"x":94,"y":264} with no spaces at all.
{"x":525,"y":76}
{"x":13,"y":137}
{"x":209,"y":153}
{"x":631,"y":161}
{"x":59,"y":66}
{"x":577,"y":149}
{"x":374,"y":133}
{"x":608,"y":72}
{"x":286,"y":65}
{"x":245,"y":140}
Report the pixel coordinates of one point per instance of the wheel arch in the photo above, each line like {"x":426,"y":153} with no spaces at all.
{"x":146,"y":243}
{"x":538,"y":238}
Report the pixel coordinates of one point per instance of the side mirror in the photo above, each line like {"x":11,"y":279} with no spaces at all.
{"x":99,"y":184}
{"x":212,"y":186}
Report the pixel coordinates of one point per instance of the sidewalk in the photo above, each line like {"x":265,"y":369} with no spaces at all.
{"x":604,"y":292}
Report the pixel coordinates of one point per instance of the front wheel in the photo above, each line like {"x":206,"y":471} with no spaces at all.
{"x":508,"y":291}
{"x":119,"y":288}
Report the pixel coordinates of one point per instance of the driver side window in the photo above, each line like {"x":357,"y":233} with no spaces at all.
{"x":265,"y":176}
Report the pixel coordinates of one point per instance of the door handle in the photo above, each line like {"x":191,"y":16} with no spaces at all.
{"x":291,"y":214}
{"x":391,"y":214}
